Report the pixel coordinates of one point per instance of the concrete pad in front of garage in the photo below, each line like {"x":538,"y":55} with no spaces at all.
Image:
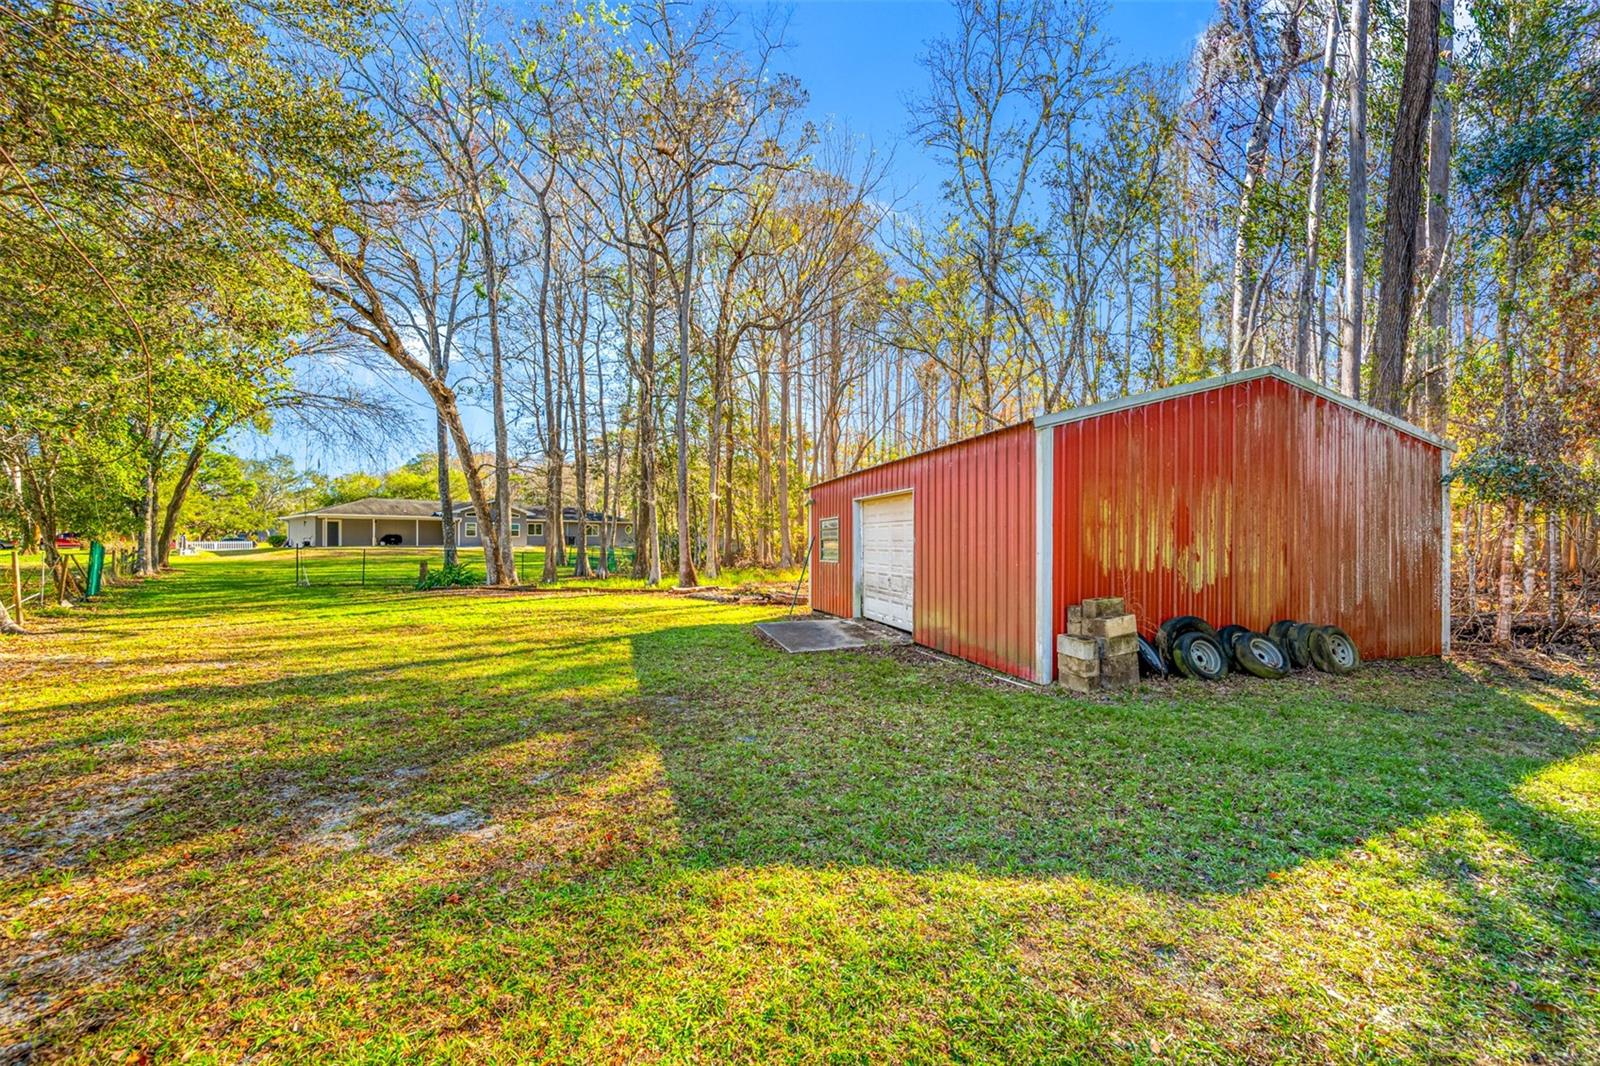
{"x":830,"y":634}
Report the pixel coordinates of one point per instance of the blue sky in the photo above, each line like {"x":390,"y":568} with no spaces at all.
{"x":858,"y":61}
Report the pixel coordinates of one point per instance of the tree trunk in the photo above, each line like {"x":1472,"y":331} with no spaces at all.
{"x":646,"y":537}
{"x":786,"y":524}
{"x":606,"y":504}
{"x":180,"y":492}
{"x":1508,"y":540}
{"x":1553,"y":568}
{"x":497,"y":552}
{"x":1355,"y":244}
{"x":764,"y":454}
{"x":1437,"y":228}
{"x":1397,"y":277}
{"x":553,"y":518}
{"x":148,"y":550}
{"x":446,"y":504}
{"x":686,"y":575}
{"x":713,"y":457}
{"x":1472,"y":533}
{"x":1319,"y":159}
{"x":1530,"y":557}
{"x":580,"y":442}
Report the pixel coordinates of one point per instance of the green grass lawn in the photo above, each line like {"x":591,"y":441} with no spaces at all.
{"x":399,"y":567}
{"x":245,"y":820}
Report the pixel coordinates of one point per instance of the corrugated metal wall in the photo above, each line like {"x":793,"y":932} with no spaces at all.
{"x":1249,"y":503}
{"x":974,"y":522}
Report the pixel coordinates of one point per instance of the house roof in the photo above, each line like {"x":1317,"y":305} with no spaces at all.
{"x":375,"y":507}
{"x":384,"y":507}
{"x":539,"y":513}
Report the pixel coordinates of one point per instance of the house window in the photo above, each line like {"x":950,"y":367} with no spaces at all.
{"x":516,"y":529}
{"x":592,"y":530}
{"x":828,"y":540}
{"x":469,"y":528}
{"x":537,"y":529}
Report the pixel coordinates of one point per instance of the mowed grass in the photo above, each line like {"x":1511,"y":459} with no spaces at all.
{"x":398,"y":567}
{"x":241,"y":820}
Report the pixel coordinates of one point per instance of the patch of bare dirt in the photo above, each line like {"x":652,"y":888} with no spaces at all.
{"x":40,"y":981}
{"x":354,"y":820}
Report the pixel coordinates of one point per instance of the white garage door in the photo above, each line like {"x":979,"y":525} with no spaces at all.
{"x":887,"y":542}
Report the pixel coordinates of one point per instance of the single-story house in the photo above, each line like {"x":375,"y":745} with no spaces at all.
{"x":364,"y":524}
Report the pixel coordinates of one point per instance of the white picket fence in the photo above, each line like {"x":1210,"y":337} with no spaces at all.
{"x":190,"y":547}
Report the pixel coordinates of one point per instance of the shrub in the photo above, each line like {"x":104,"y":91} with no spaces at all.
{"x":448,"y":576}
{"x":278,"y":540}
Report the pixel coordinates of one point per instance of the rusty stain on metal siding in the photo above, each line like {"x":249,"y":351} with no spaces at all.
{"x":1249,"y":503}
{"x":973,"y":515}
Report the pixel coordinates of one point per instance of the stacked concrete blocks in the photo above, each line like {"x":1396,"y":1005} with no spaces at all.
{"x":1100,"y":649}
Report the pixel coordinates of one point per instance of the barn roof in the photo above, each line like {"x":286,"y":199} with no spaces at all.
{"x":1124,"y":403}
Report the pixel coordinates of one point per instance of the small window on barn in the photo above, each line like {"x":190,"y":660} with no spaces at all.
{"x":469,"y":529}
{"x":537,"y":529}
{"x":516,"y":529}
{"x":828,"y":540}
{"x":592,"y":529}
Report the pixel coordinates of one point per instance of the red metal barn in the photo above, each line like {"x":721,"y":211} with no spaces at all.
{"x":1243,"y":499}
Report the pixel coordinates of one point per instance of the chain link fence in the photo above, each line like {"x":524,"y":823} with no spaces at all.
{"x":402,"y":567}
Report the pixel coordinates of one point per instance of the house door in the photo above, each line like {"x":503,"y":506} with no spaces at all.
{"x":888,"y":541}
{"x":333,"y":533}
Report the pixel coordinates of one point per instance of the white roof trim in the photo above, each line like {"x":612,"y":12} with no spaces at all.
{"x":1124,"y":403}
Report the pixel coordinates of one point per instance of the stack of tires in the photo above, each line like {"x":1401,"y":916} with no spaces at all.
{"x":1189,"y":647}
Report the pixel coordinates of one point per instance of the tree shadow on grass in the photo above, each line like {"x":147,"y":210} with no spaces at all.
{"x":856,"y":759}
{"x":690,"y":823}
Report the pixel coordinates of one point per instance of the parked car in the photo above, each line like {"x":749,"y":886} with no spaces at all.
{"x":68,"y":540}
{"x":7,"y":545}
{"x":390,"y":539}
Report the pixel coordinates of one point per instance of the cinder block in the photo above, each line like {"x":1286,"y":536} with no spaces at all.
{"x":1119,"y":672}
{"x":1088,"y":609}
{"x":1113,"y":646}
{"x":1109,"y":607}
{"x":1077,"y":667}
{"x":1077,"y":684}
{"x":1118,"y":625}
{"x":1074,"y":614}
{"x":1077,"y":647}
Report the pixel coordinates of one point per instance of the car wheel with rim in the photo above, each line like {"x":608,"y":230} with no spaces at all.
{"x":1200,"y":657}
{"x":1259,"y":654}
{"x":1333,"y":652}
{"x":1173,"y":628}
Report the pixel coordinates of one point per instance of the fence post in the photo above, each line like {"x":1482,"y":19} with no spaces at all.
{"x":16,"y":583}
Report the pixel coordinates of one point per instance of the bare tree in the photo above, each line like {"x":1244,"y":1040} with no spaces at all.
{"x":1270,"y":69}
{"x":1355,"y":242}
{"x":1397,"y":279}
{"x":1319,"y":163}
{"x":1437,"y":228}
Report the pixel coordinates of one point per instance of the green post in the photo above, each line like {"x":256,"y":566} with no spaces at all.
{"x":97,"y":562}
